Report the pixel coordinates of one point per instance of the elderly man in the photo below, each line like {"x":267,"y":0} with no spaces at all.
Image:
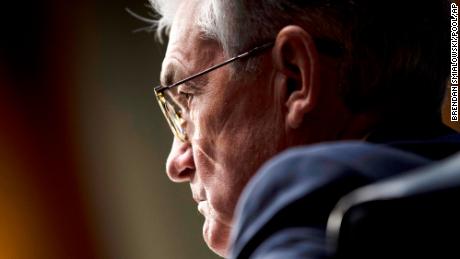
{"x":243,"y":80}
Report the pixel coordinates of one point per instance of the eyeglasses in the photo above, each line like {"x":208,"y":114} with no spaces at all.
{"x":173,"y":111}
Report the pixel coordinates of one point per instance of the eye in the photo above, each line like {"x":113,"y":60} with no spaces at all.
{"x":187,"y":96}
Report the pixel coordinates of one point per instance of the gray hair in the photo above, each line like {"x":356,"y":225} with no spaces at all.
{"x":393,"y":48}
{"x":221,"y":20}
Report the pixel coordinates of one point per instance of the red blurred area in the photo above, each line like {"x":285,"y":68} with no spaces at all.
{"x":42,"y":213}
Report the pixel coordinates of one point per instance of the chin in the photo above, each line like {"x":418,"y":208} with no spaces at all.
{"x":216,"y":235}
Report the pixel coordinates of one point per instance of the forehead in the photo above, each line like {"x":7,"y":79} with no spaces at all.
{"x":187,"y":50}
{"x":184,"y":23}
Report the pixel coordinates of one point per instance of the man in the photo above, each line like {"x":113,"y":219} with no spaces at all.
{"x":303,"y":72}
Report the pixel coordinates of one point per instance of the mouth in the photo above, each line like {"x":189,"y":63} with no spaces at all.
{"x":203,"y":208}
{"x":201,"y":204}
{"x":198,"y":199}
{"x":199,"y":196}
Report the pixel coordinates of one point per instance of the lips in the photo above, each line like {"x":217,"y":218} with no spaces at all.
{"x":203,"y":208}
{"x":198,"y":194}
{"x":198,"y":199}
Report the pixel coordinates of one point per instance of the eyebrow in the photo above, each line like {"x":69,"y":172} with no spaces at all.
{"x":167,"y":77}
{"x":173,"y":74}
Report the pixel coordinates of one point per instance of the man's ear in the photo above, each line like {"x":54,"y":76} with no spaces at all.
{"x":296,"y":60}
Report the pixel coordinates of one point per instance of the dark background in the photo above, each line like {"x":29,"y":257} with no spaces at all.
{"x":82,"y":142}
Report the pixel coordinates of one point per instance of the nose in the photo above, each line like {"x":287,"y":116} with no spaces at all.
{"x":180,"y":165}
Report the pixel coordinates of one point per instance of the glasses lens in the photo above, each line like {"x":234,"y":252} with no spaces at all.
{"x":173,"y":114}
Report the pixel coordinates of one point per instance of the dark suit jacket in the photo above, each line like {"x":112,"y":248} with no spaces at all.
{"x":283,"y":211}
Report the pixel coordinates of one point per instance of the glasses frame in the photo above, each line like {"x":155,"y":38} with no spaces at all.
{"x":177,"y":130}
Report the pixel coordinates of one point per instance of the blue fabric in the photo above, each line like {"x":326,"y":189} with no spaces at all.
{"x":283,"y":210}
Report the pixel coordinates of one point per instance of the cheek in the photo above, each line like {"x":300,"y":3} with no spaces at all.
{"x":232,"y":137}
{"x":220,"y":184}
{"x":204,"y":120}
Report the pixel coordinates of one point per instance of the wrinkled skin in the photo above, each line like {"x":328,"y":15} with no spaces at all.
{"x":234,"y":126}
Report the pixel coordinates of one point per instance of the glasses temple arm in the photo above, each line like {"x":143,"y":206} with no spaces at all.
{"x":240,"y":56}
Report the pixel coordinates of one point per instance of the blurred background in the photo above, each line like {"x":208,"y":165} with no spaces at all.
{"x":82,"y":142}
